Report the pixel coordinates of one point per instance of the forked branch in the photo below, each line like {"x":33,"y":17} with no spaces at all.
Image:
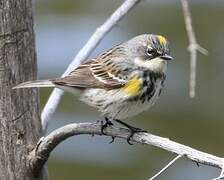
{"x":193,"y":46}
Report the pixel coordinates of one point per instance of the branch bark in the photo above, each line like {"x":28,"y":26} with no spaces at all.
{"x":83,"y":54}
{"x":40,"y":154}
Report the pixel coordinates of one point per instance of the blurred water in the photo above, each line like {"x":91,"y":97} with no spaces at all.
{"x":62,"y":28}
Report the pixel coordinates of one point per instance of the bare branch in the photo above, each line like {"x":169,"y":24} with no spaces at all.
{"x":39,"y":156}
{"x":193,"y":46}
{"x":166,"y":167}
{"x":83,"y":54}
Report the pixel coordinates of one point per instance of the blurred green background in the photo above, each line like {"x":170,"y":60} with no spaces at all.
{"x":62,"y":28}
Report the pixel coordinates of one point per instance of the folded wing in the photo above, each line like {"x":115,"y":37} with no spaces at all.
{"x":94,"y":74}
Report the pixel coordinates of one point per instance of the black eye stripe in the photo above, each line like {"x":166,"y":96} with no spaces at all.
{"x":151,"y":52}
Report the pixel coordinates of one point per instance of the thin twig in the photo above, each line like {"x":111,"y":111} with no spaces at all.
{"x":83,"y":54}
{"x":38,"y":157}
{"x":219,"y":178}
{"x":167,"y":166}
{"x":193,"y":46}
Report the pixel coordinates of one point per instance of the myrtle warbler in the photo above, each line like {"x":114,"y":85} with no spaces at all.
{"x":121,"y":82}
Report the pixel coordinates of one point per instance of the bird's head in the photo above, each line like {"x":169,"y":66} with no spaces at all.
{"x":150,"y":51}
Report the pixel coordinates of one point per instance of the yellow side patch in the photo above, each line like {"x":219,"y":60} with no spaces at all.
{"x":162,"y":40}
{"x":134,"y":85}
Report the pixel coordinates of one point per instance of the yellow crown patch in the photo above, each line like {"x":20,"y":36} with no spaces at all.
{"x":162,"y":40}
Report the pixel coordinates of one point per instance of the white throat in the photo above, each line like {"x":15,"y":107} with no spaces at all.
{"x":156,"y":65}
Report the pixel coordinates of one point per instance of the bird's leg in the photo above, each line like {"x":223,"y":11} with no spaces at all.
{"x":105,"y":125}
{"x":131,"y":128}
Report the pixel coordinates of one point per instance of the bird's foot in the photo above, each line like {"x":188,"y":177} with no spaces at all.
{"x":105,"y":125}
{"x":132,"y":129}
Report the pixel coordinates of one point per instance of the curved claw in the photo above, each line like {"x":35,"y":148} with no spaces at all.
{"x":132,"y":129}
{"x":105,"y":125}
{"x":112,"y":140}
{"x":129,"y":139}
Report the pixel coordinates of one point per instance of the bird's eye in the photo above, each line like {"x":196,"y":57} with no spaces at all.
{"x":151,"y":52}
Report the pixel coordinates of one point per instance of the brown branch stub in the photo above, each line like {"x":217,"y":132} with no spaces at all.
{"x":193,"y":46}
{"x":39,"y":156}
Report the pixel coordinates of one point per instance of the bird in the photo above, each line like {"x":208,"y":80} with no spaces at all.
{"x":121,"y":82}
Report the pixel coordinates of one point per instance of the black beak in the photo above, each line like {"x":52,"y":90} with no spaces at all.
{"x":166,"y":57}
